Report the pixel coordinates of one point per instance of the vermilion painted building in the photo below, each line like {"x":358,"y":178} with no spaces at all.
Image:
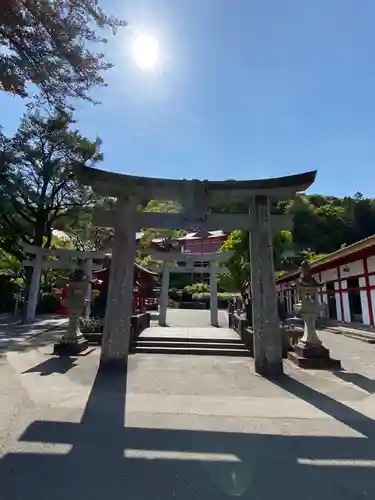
{"x":349,"y":283}
{"x":197,"y":243}
{"x":144,"y":285}
{"x":202,"y":242}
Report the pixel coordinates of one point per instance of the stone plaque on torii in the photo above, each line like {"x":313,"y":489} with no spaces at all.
{"x":258,"y":195}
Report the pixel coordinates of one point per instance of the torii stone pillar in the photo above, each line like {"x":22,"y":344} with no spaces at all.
{"x":88,"y":271}
{"x":116,"y":334}
{"x":213,"y":297}
{"x":163,"y":305}
{"x":33,"y":294}
{"x":267,"y":336}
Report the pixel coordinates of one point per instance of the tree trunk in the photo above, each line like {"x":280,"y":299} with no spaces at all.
{"x":49,"y":235}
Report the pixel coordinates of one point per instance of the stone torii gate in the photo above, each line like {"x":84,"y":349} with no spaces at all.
{"x":196,"y":196}
{"x":168,"y":257}
{"x":66,"y":259}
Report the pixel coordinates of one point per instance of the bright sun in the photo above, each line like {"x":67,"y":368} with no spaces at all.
{"x":145,"y":51}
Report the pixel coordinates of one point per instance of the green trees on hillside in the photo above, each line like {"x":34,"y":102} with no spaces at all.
{"x":322,"y":224}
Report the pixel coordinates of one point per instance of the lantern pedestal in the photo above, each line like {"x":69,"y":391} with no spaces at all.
{"x":72,"y":342}
{"x":313,"y":357}
{"x":70,"y":347}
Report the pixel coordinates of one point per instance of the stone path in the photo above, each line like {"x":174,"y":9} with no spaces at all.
{"x":189,"y":332}
{"x":191,"y":324}
{"x":185,"y":427}
{"x":188,"y":318}
{"x":196,"y":337}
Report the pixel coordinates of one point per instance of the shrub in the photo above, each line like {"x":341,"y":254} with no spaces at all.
{"x":197,"y":288}
{"x":222,"y":298}
{"x":91,"y":325}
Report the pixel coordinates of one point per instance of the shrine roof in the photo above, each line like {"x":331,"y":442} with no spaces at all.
{"x":136,"y":265}
{"x":344,"y":255}
{"x":197,"y":236}
{"x":145,"y":270}
{"x":113,"y":184}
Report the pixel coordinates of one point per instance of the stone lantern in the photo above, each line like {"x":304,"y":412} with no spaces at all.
{"x":73,"y":342}
{"x":309,"y":352}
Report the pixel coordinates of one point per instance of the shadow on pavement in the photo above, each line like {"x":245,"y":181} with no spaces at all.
{"x":9,"y":320}
{"x":53,"y":365}
{"x":19,"y":344}
{"x":18,"y":337}
{"x":365,"y":383}
{"x":340,"y":412}
{"x":110,"y":461}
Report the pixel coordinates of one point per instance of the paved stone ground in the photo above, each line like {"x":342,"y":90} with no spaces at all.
{"x":192,"y":325}
{"x":16,"y":336}
{"x":195,"y":427}
{"x":188,"y":318}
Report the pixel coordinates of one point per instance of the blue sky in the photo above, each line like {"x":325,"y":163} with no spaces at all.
{"x":244,"y":89}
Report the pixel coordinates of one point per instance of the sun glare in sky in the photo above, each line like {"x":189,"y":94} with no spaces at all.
{"x":145,"y":52}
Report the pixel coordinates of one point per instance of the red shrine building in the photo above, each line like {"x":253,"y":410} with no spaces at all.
{"x":348,"y":277}
{"x":145,"y":282}
{"x":202,"y":242}
{"x":197,"y":243}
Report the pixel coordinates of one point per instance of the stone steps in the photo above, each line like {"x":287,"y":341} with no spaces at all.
{"x":189,"y":346}
{"x":236,"y":341}
{"x":167,"y":343}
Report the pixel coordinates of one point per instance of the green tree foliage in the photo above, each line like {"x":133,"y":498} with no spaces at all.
{"x":322,"y":224}
{"x":238,"y":265}
{"x":283,"y":248}
{"x":38,"y":185}
{"x":49,"y":43}
{"x":167,"y":236}
{"x":197,"y":288}
{"x":9,"y":264}
{"x":83,"y":235}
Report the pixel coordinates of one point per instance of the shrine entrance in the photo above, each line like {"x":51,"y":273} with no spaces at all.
{"x":196,"y":197}
{"x":168,"y":258}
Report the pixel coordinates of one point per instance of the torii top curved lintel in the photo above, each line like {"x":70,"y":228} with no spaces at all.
{"x":106,"y":183}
